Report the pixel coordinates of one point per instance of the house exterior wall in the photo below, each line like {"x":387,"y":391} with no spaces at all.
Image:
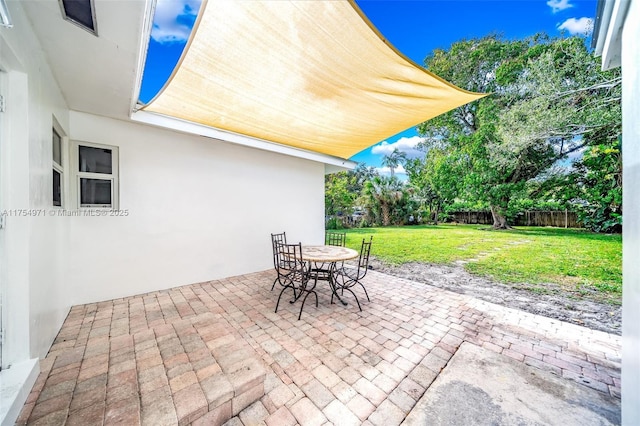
{"x":631,"y":202}
{"x":196,"y":209}
{"x":35,"y":299}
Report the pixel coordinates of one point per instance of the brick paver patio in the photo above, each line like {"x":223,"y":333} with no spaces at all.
{"x":214,"y":352}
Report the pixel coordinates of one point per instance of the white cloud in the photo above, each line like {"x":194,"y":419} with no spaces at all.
{"x":558,"y":5}
{"x":577,"y":26}
{"x":173,"y":20}
{"x":406,"y":145}
{"x":387,"y":170}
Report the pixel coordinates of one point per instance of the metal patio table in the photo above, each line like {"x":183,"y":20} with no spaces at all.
{"x":324,"y":255}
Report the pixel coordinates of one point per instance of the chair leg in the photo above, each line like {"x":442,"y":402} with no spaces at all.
{"x":277,"y":280}
{"x":354,"y":295}
{"x":365,"y":291}
{"x":305,"y":299}
{"x":296,"y":297}
{"x":278,"y":302}
{"x":308,"y":290}
{"x":334,"y":288}
{"x":282,"y":291}
{"x":334,"y":292}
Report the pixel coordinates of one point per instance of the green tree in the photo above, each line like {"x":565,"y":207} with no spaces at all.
{"x":435,"y":179}
{"x":383,"y":196}
{"x":344,"y":190}
{"x":359,"y":176}
{"x":593,"y":186}
{"x":547,"y":96}
{"x":394,"y":159}
{"x":598,"y":178}
{"x":338,"y":199}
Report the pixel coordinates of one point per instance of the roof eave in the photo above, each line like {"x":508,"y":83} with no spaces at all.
{"x":332,"y":164}
{"x":608,"y":32}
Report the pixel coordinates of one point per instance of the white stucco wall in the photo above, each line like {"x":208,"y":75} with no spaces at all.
{"x":34,"y":297}
{"x":36,"y":300}
{"x":631,"y":203}
{"x":198,"y":209}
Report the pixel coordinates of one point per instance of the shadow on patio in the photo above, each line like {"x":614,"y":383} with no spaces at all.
{"x":210,"y":352}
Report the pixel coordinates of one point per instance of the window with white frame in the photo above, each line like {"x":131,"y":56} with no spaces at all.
{"x":96,"y":175}
{"x":58,"y":169}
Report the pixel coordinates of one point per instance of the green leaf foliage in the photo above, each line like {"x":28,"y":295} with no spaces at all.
{"x":548,"y":99}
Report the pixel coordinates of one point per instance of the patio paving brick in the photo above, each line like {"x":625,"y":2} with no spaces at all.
{"x":282,"y":417}
{"x":125,"y":411}
{"x":338,"y":413}
{"x":254,"y":414}
{"x":281,"y":395}
{"x":361,"y":407}
{"x":318,"y":393}
{"x":387,"y":414}
{"x":215,"y":353}
{"x":307,"y":413}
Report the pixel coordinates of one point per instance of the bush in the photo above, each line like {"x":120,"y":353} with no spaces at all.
{"x":444,"y":217}
{"x":364,"y":223}
{"x":334,"y":223}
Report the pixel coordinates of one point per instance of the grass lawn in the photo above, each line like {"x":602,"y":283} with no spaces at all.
{"x":578,"y":261}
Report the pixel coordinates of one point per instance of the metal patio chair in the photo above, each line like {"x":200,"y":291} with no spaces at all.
{"x":293,"y":273}
{"x":348,"y":275}
{"x":330,"y":239}
{"x":277,"y":238}
{"x":335,"y":238}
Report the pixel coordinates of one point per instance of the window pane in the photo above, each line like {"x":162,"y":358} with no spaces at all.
{"x":57,"y":148}
{"x":95,"y":192}
{"x":80,"y":12}
{"x":57,"y":189}
{"x":94,"y":160}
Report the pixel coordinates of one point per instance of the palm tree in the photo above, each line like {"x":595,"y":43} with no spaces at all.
{"x":382,"y":193}
{"x":394,"y":159}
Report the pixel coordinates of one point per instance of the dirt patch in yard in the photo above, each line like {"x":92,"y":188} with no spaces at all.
{"x":550,"y":300}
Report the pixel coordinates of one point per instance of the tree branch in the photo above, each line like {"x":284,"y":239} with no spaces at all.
{"x":604,"y":85}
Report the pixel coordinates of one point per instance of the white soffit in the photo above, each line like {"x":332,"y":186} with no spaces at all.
{"x":97,"y":75}
{"x":610,"y":38}
{"x":313,"y":75}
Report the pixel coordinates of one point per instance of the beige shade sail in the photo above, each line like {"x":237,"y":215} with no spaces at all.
{"x":314,"y":75}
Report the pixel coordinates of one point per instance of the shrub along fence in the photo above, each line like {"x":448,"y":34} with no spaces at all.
{"x":558,"y":219}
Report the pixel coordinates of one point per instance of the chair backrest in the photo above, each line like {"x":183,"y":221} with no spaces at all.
{"x":363,"y":260}
{"x":289,"y":257}
{"x":277,"y":238}
{"x":335,"y":238}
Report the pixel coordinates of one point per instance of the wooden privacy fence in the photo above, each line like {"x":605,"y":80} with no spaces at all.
{"x":558,"y":219}
{"x":480,"y":217}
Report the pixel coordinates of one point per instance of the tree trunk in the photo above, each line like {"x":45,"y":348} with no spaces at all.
{"x":386,"y":216}
{"x":435,"y":214}
{"x":499,"y":219}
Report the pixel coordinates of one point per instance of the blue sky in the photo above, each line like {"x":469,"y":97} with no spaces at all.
{"x":414,"y":27}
